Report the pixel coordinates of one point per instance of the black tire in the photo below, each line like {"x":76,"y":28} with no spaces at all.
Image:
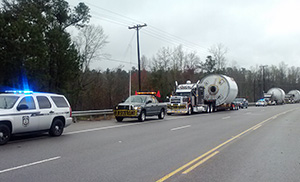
{"x":142,"y":116}
{"x":189,"y":110}
{"x":57,"y":127}
{"x":169,"y":114}
{"x":5,"y":134}
{"x":119,"y":119}
{"x":161,"y":114}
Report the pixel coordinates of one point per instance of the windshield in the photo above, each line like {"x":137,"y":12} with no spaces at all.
{"x":136,"y":98}
{"x":7,"y":102}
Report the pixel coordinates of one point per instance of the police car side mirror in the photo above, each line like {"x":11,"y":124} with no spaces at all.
{"x":22,"y":107}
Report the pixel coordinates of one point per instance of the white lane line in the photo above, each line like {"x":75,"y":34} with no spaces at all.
{"x":102,"y":128}
{"x":181,"y":127}
{"x":30,"y":164}
{"x":226,"y":117}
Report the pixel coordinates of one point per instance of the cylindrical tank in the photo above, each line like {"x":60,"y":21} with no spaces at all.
{"x":277,"y":95}
{"x":219,"y":88}
{"x":295,"y":95}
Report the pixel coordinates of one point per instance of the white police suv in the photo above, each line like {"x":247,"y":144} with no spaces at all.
{"x":26,"y":111}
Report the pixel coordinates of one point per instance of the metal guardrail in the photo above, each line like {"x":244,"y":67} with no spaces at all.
{"x":91,"y":113}
{"x":105,"y":112}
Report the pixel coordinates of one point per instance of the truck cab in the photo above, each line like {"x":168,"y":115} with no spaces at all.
{"x":188,"y":98}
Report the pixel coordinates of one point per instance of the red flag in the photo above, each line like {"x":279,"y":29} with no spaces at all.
{"x":158,"y":94}
{"x":135,"y":92}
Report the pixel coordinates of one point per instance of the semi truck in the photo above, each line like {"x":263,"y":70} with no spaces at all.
{"x":187,"y":99}
{"x":214,"y":92}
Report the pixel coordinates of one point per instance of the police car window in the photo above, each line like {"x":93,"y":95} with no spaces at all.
{"x":44,"y":102}
{"x":59,"y":101}
{"x":7,"y":102}
{"x":28,"y":100}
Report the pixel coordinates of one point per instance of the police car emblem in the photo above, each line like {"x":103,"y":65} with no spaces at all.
{"x":25,"y":121}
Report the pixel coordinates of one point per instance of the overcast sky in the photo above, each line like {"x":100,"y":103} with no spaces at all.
{"x":256,"y":32}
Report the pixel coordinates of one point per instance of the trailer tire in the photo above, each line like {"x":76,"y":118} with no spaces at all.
{"x":189,"y":110}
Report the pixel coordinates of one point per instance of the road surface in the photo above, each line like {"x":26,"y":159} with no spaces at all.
{"x":254,"y":144}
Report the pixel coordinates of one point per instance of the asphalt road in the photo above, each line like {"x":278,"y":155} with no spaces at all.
{"x":254,"y":144}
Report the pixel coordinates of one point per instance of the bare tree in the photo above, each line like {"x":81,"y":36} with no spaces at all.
{"x":91,"y":41}
{"x":218,"y":53}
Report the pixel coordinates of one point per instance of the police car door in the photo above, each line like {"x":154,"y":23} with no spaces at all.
{"x":26,"y":116}
{"x":46,"y":114}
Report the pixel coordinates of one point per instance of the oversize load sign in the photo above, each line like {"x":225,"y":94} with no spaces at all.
{"x":125,"y":112}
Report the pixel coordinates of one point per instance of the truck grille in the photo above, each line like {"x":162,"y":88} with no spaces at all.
{"x":123,"y":107}
{"x":175,"y":100}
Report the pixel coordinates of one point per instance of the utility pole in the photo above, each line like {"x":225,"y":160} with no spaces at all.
{"x":263,"y":78}
{"x":137,"y":27}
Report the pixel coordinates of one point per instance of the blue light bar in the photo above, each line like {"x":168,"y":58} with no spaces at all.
{"x":19,"y":91}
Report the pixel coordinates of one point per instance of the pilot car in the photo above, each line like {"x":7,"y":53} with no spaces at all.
{"x":27,"y":111}
{"x":139,"y":106}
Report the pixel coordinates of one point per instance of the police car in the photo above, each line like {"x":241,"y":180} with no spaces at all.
{"x":26,"y":111}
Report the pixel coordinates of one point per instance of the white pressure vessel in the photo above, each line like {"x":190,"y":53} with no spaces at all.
{"x":277,"y":95}
{"x":220,"y":89}
{"x":295,"y":95}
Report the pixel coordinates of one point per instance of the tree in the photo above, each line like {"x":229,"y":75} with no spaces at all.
{"x":90,"y":43}
{"x":218,"y":53}
{"x":35,"y":45}
{"x":209,"y":66}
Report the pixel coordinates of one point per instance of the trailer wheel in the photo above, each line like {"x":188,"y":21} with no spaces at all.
{"x":189,"y":111}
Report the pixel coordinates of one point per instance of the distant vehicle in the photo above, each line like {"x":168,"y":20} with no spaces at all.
{"x":139,"y":106}
{"x":261,"y":102}
{"x":27,"y":111}
{"x":241,"y":102}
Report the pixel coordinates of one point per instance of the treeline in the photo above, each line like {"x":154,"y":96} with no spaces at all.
{"x":38,"y":53}
{"x":169,"y":65}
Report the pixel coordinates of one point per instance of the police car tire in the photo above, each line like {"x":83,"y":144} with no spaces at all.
{"x":57,"y":127}
{"x":142,"y":116}
{"x":4,"y":129}
{"x":119,"y":119}
{"x":161,"y":114}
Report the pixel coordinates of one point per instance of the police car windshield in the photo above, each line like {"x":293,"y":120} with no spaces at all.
{"x":136,"y":98}
{"x":182,"y":93}
{"x":7,"y":102}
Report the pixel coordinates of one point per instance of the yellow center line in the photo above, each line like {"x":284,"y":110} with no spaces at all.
{"x":217,"y":147}
{"x":200,"y":162}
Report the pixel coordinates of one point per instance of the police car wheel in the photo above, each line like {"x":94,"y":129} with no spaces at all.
{"x":161,"y":114}
{"x":142,"y":116}
{"x":57,"y":128}
{"x":119,"y":119}
{"x":5,"y":134}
